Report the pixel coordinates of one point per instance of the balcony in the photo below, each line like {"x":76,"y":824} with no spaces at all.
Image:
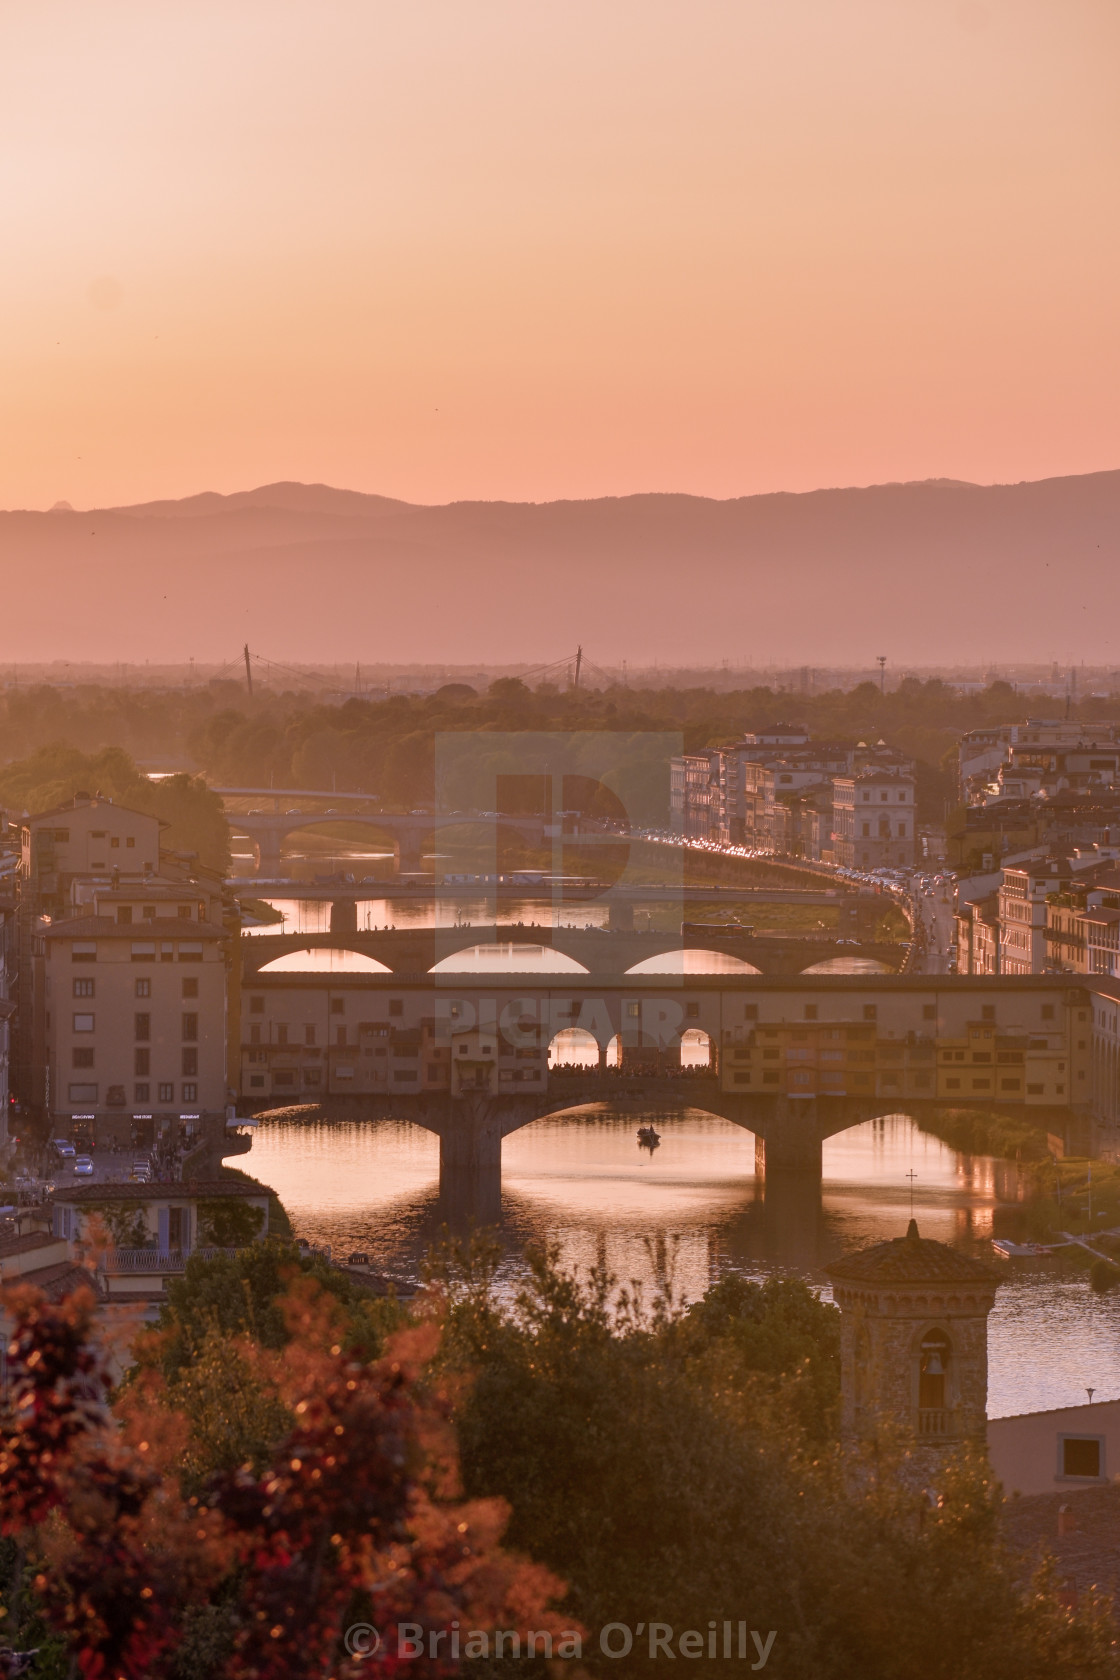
{"x":153,"y":1261}
{"x":935,"y":1422}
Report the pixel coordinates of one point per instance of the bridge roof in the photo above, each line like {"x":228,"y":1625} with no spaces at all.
{"x":911,"y":1259}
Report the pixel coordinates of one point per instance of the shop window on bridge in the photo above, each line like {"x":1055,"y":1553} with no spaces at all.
{"x":692,"y":1011}
{"x":871,"y":1012}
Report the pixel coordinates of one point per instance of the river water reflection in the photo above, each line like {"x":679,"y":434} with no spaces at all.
{"x":581,"y":1181}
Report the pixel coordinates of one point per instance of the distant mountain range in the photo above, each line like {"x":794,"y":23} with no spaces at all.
{"x":925,"y":573}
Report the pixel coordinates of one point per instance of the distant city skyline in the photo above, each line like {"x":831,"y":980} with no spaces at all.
{"x":441,"y":253}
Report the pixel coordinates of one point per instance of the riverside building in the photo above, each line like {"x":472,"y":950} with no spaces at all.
{"x":127,"y":954}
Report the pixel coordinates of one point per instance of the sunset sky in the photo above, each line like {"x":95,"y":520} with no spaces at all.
{"x":500,"y":249}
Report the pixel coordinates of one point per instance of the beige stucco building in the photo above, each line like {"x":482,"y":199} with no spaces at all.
{"x":1062,"y":1450}
{"x":125,"y":998}
{"x":134,"y":1011}
{"x":874,"y":820}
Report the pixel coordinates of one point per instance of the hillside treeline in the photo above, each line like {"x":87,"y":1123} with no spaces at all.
{"x":386,"y":746}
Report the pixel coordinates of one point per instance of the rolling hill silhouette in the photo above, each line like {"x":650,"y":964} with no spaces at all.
{"x":924,"y":572}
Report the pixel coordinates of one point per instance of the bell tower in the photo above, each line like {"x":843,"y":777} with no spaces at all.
{"x":914,"y":1343}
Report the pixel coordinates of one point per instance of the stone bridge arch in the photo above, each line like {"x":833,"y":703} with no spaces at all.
{"x":598,"y":951}
{"x":406,"y":833}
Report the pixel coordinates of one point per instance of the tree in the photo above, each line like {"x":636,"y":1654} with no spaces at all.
{"x":241,"y":1294}
{"x":354,"y":1518}
{"x":682,"y":1468}
{"x":226,"y":1222}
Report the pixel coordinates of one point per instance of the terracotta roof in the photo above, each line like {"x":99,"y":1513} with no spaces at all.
{"x":59,"y":1280}
{"x":159,"y":927}
{"x":24,"y":1243}
{"x":92,"y":804}
{"x":1089,"y":1555}
{"x":149,"y":887}
{"x":912,"y":1259}
{"x":205,"y":1188}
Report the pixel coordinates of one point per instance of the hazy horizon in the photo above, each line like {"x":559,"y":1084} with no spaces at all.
{"x":926,"y":573}
{"x":182,"y":502}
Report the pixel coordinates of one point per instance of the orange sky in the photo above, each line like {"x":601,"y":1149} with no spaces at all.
{"x":511,"y":248}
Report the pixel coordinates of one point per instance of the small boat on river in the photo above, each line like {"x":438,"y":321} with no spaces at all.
{"x":1008,"y":1250}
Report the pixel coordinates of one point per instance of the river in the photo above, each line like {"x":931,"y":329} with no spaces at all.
{"x":694,"y":1208}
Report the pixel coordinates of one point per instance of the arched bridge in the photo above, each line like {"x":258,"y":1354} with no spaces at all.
{"x":598,"y":951}
{"x":793,"y":1061}
{"x":406,"y":831}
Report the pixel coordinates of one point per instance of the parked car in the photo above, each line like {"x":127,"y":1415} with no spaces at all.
{"x":83,"y":1166}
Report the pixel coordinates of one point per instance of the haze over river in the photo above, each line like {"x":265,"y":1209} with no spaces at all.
{"x":695,"y":1205}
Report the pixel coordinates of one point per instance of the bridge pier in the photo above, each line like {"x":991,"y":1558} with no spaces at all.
{"x":470,"y":1161}
{"x":791,"y":1138}
{"x":270,"y":855}
{"x":470,"y":1137}
{"x":344,"y":915}
{"x":407,"y":854}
